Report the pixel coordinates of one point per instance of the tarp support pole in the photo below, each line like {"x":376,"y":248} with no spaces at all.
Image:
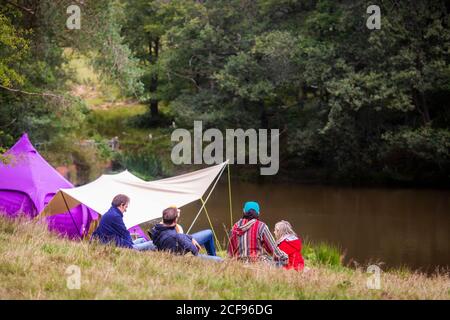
{"x":229,"y":196}
{"x":207,"y":198}
{"x":210,"y":223}
{"x":73,"y":220}
{"x":229,"y":239}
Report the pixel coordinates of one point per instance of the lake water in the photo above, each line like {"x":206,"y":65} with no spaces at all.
{"x":399,"y":227}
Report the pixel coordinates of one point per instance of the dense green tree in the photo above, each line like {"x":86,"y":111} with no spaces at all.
{"x":352,"y":103}
{"x":34,"y":97}
{"x":146,"y":22}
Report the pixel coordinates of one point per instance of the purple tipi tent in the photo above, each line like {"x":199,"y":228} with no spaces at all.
{"x":28,"y":183}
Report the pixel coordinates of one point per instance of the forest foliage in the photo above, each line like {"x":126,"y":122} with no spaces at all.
{"x":352,"y":104}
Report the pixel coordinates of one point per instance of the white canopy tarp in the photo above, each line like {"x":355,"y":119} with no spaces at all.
{"x":147,"y":199}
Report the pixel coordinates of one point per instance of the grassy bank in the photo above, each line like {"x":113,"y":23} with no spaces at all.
{"x":33,"y":265}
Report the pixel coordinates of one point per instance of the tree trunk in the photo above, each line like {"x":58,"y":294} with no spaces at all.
{"x":153,"y":88}
{"x":421,"y":106}
{"x":426,"y":111}
{"x":264,"y":117}
{"x":419,"y":95}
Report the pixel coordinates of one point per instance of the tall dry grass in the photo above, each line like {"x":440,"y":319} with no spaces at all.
{"x":33,"y":265}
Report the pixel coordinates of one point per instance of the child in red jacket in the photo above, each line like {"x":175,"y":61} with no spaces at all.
{"x":291,"y":244}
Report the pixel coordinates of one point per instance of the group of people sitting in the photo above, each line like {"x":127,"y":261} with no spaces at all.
{"x":250,"y":239}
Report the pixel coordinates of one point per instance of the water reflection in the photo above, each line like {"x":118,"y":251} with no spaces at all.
{"x":396,"y":226}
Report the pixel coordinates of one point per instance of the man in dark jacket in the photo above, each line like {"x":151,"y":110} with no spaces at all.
{"x":166,"y":237}
{"x":112,"y":228}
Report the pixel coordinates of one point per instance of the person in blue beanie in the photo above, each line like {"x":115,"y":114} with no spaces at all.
{"x":251,"y":240}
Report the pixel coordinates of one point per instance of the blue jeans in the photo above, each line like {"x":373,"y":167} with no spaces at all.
{"x":212,"y":258}
{"x":205,"y":238}
{"x":142,"y":244}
